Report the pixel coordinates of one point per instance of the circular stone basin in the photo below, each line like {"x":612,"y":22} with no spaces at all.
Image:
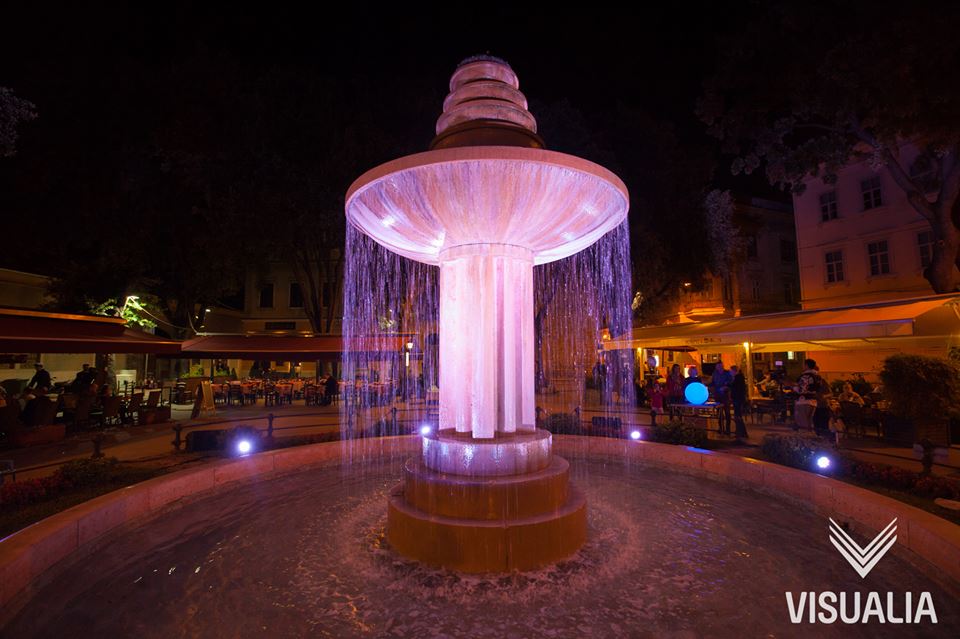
{"x":304,"y":554}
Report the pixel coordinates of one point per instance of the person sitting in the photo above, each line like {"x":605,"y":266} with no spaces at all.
{"x":849,"y":395}
{"x":41,"y":379}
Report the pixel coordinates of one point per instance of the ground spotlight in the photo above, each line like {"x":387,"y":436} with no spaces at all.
{"x":244,"y":446}
{"x":823,"y":462}
{"x":635,"y":435}
{"x":425,"y":430}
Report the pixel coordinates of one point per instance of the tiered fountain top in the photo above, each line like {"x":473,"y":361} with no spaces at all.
{"x":487,"y":180}
{"x":485,"y":107}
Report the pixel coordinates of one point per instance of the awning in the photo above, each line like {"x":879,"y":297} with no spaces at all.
{"x":286,"y":347}
{"x":919,"y":322}
{"x":28,"y":331}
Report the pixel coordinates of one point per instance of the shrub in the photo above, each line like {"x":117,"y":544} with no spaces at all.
{"x":920,"y":387}
{"x":87,"y":472}
{"x":563,"y":424}
{"x":797,"y":451}
{"x":679,"y":433}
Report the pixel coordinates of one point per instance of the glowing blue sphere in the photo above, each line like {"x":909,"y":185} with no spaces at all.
{"x":424,"y":430}
{"x":696,"y":393}
{"x":823,"y":462}
{"x":635,"y":434}
{"x":244,"y":446}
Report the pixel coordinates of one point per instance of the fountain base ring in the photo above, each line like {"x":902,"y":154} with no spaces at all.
{"x":459,"y":508}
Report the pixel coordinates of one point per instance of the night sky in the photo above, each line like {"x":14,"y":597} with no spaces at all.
{"x":89,"y":72}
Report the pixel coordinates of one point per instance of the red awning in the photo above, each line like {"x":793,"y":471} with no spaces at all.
{"x":27,"y":331}
{"x":286,"y":347}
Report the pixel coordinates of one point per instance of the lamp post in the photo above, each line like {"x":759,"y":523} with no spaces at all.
{"x":749,"y":371}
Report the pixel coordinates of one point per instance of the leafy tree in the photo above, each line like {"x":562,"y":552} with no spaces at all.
{"x":803,"y":90}
{"x":14,"y":111}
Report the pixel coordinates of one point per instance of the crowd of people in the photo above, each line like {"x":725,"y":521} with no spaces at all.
{"x":816,"y":407}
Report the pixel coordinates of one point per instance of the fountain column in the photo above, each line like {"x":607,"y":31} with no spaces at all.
{"x":485,"y":204}
{"x":486,"y":320}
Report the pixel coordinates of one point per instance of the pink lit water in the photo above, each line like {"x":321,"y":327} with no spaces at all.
{"x":303,"y":555}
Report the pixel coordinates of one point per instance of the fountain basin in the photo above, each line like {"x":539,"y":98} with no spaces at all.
{"x":690,"y":552}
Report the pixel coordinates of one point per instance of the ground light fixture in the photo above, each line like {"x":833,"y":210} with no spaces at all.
{"x":823,"y":462}
{"x":635,"y":435}
{"x":244,"y":446}
{"x":424,"y":430}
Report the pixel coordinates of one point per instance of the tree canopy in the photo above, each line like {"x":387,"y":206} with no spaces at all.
{"x":802,"y":90}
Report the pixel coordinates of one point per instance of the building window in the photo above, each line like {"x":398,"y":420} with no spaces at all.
{"x":788,"y":297}
{"x":834,"y":260}
{"x":879,"y":258}
{"x":266,"y":295}
{"x":925,"y":243}
{"x":752,"y":246}
{"x":756,"y":290}
{"x":828,"y":206}
{"x":296,"y":295}
{"x":871,"y":193}
{"x":788,"y":251}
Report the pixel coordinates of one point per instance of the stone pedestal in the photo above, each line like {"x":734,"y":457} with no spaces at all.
{"x":487,"y":505}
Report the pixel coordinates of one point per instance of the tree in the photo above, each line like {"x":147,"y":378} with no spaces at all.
{"x":803,"y":90}
{"x":14,"y":111}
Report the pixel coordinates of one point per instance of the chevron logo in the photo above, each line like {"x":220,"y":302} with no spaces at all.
{"x":863,"y":559}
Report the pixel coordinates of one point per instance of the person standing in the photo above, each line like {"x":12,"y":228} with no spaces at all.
{"x":674,"y":388}
{"x":656,"y":401}
{"x":720,"y":381}
{"x":808,"y":388}
{"x":41,"y":378}
{"x":738,"y":396}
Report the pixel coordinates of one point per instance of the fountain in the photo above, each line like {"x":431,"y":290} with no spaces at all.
{"x":486,"y":203}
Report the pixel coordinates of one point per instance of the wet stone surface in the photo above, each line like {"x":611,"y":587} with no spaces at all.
{"x":669,"y":555}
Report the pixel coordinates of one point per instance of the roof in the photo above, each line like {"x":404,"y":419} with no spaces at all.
{"x":28,"y":331}
{"x":285,"y":346}
{"x":928,"y":321}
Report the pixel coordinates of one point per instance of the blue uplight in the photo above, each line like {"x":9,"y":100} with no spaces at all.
{"x":696,"y":393}
{"x":823,"y":462}
{"x":424,"y":430}
{"x":635,"y":435}
{"x":244,"y":446}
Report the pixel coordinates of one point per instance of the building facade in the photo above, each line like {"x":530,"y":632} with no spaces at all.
{"x":765,"y":277}
{"x":859,"y":240}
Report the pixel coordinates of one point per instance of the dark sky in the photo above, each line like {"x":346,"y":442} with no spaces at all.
{"x":654,"y":59}
{"x":85,"y":69}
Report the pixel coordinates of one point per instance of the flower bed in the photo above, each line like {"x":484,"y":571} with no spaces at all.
{"x":800,"y":451}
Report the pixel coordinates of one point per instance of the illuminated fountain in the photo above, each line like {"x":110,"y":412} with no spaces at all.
{"x":486,"y":203}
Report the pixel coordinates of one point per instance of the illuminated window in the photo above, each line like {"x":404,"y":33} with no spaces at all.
{"x":828,"y":206}
{"x":871,"y":193}
{"x":834,"y":261}
{"x":879,"y":258}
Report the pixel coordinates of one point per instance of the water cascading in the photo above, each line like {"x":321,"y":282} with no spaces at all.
{"x":486,"y":204}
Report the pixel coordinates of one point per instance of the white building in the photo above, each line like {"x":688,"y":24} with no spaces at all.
{"x":859,"y":240}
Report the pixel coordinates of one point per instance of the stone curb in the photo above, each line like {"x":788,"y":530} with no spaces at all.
{"x":26,"y":555}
